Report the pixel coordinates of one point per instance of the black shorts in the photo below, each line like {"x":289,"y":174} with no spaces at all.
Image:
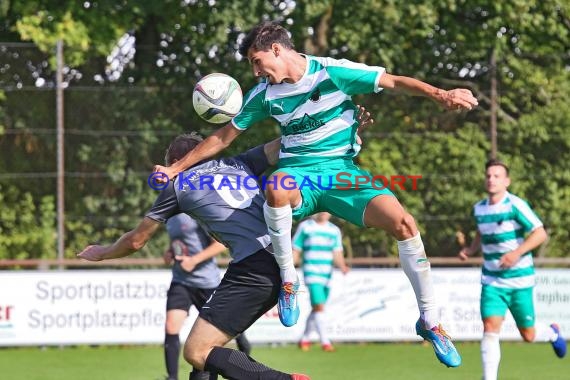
{"x":248,"y":290}
{"x":181,"y":297}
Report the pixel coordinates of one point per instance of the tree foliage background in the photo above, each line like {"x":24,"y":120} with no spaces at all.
{"x":122,"y":109}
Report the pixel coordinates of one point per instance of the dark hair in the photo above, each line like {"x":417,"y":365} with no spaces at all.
{"x":180,"y":146}
{"x":495,"y":162}
{"x":263,"y":35}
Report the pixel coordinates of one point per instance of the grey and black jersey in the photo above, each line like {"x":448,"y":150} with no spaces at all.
{"x":205,"y":275}
{"x":224,"y":197}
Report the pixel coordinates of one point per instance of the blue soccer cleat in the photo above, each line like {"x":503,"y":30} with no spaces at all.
{"x":559,"y":345}
{"x":287,"y":305}
{"x":444,"y":349}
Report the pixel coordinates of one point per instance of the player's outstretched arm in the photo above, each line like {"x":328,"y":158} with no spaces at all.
{"x":456,"y":99}
{"x":212,"y":145}
{"x":127,"y":244}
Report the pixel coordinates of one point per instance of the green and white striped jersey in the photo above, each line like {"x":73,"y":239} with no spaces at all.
{"x":318,"y":243}
{"x":316,"y":115}
{"x":503,"y":227}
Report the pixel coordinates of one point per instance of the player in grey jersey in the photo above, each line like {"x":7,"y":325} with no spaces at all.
{"x":195,"y":276}
{"x":251,"y":283}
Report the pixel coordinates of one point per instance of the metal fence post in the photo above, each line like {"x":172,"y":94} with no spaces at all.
{"x":60,"y":155}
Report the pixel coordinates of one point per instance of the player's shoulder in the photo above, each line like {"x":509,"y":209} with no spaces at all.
{"x":259,"y":89}
{"x":481,"y":203}
{"x":514,"y":198}
{"x":333,"y":227}
{"x":517,"y":201}
{"x":325,"y":61}
{"x":240,"y":164}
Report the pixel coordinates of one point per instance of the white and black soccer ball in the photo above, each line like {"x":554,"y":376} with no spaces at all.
{"x":217,"y":98}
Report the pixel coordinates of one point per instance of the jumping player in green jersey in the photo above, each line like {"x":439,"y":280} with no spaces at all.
{"x":310,"y":97}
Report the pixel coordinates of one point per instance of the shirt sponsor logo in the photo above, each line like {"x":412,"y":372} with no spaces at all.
{"x":304,"y":125}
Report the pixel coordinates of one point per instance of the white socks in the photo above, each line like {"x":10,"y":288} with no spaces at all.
{"x":316,"y":321}
{"x":416,"y":266}
{"x":321,"y":327}
{"x":490,"y":355}
{"x":279,"y":221}
{"x":544,"y":333}
{"x":491,"y":349}
{"x":309,"y":327}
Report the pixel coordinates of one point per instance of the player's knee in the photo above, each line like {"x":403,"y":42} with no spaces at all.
{"x":318,"y":307}
{"x":278,"y":197}
{"x":492,"y":325}
{"x":405,"y":227}
{"x":171,"y":327}
{"x":195,"y":356}
{"x":528,"y":335}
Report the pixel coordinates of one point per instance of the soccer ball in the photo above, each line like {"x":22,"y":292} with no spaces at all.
{"x":217,"y":98}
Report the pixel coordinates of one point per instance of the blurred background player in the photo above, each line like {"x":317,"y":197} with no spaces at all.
{"x":320,"y":243}
{"x":195,"y":275}
{"x":507,"y":280}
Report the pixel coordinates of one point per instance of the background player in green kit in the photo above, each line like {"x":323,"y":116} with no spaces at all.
{"x":320,"y":243}
{"x":310,"y":97}
{"x":507,"y":278}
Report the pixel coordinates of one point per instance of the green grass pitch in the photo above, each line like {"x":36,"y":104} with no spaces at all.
{"x":351,"y":361}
